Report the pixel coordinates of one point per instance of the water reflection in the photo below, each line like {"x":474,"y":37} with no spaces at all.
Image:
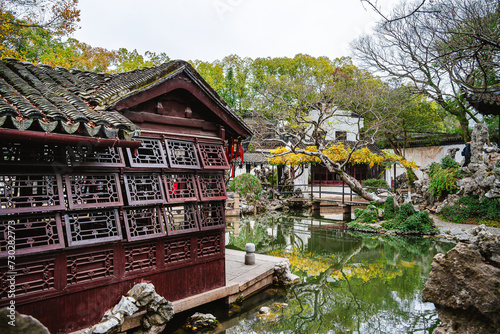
{"x":351,"y":282}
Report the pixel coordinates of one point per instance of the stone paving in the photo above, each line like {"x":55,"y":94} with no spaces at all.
{"x":454,"y":229}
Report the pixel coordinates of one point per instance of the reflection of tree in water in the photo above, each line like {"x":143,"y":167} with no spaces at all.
{"x":366,"y":283}
{"x":363,"y":293}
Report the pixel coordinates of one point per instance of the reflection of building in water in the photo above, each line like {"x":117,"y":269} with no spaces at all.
{"x":333,"y":238}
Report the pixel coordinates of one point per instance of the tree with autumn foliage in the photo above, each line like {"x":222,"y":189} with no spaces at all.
{"x":304,"y":99}
{"x":17,"y":17}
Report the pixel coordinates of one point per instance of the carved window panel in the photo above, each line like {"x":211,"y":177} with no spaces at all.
{"x":32,"y":154}
{"x":142,"y":188}
{"x":182,"y":154}
{"x":212,"y":156}
{"x":177,"y":250}
{"x":209,"y":245}
{"x":93,"y":190}
{"x":140,"y":257}
{"x":89,"y":266}
{"x":91,"y":156}
{"x":89,"y":227}
{"x":181,"y":219}
{"x":143,"y":223}
{"x":212,"y":215}
{"x":35,"y":276}
{"x":149,"y":154}
{"x":32,"y":234}
{"x":211,"y":187}
{"x":180,"y":187}
{"x":30,"y":193}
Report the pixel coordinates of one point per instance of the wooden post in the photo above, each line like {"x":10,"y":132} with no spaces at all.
{"x":343,"y":193}
{"x":316,"y":206}
{"x":346,"y":212}
{"x":320,"y":189}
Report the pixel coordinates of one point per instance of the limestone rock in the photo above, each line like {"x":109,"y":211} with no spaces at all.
{"x":460,"y":280}
{"x":23,"y":323}
{"x":126,"y":306}
{"x":201,"y":322}
{"x":143,"y":293}
{"x":158,"y":311}
{"x":283,"y":274}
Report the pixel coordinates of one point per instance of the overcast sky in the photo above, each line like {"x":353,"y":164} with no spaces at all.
{"x":211,"y":29}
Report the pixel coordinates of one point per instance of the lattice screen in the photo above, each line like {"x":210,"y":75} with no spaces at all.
{"x":211,"y":186}
{"x":91,"y":156}
{"x":90,"y":266}
{"x":213,"y":156}
{"x":209,"y":245}
{"x":143,"y":223}
{"x":212,"y":215}
{"x":32,"y":233}
{"x":182,"y":154}
{"x":89,"y":227}
{"x":32,"y":276}
{"x":144,"y":188}
{"x":181,"y":219}
{"x":149,"y":154}
{"x":140,"y":257}
{"x":28,"y":193}
{"x":180,"y":187}
{"x":93,"y":190}
{"x":12,"y":153}
{"x":178,"y":250}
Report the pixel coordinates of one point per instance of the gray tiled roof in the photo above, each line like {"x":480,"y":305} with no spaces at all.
{"x":55,"y":99}
{"x":484,"y":100}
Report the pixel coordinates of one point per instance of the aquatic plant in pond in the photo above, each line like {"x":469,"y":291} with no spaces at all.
{"x":351,"y":282}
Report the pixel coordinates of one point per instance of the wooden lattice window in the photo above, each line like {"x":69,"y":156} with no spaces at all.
{"x":93,"y":190}
{"x":140,"y":257}
{"x":212,"y":156}
{"x":31,"y":234}
{"x":31,"y":154}
{"x":32,"y":276}
{"x":212,"y":215}
{"x":90,"y":266}
{"x":143,"y":223}
{"x":29,"y":193}
{"x":149,"y":154}
{"x":209,"y":245}
{"x":91,"y":156}
{"x":142,"y":188}
{"x":178,"y":250}
{"x":211,"y":187}
{"x":182,"y":154}
{"x":180,"y":187}
{"x":181,"y":219}
{"x":83,"y":228}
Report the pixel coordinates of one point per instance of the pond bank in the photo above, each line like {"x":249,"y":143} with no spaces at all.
{"x":457,"y":231}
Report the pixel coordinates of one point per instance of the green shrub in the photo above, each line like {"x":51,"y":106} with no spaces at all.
{"x":390,"y":210}
{"x":375,"y":183}
{"x":367,"y":216}
{"x":273,"y":178}
{"x":443,"y":177}
{"x":471,"y":207}
{"x":414,"y":222}
{"x":246,"y":183}
{"x":448,"y":162}
{"x":420,"y":222}
{"x":405,"y":212}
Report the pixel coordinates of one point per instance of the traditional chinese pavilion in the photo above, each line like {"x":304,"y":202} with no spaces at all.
{"x":107,"y":180}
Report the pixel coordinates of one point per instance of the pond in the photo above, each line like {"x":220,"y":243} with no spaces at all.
{"x":350,"y":282}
